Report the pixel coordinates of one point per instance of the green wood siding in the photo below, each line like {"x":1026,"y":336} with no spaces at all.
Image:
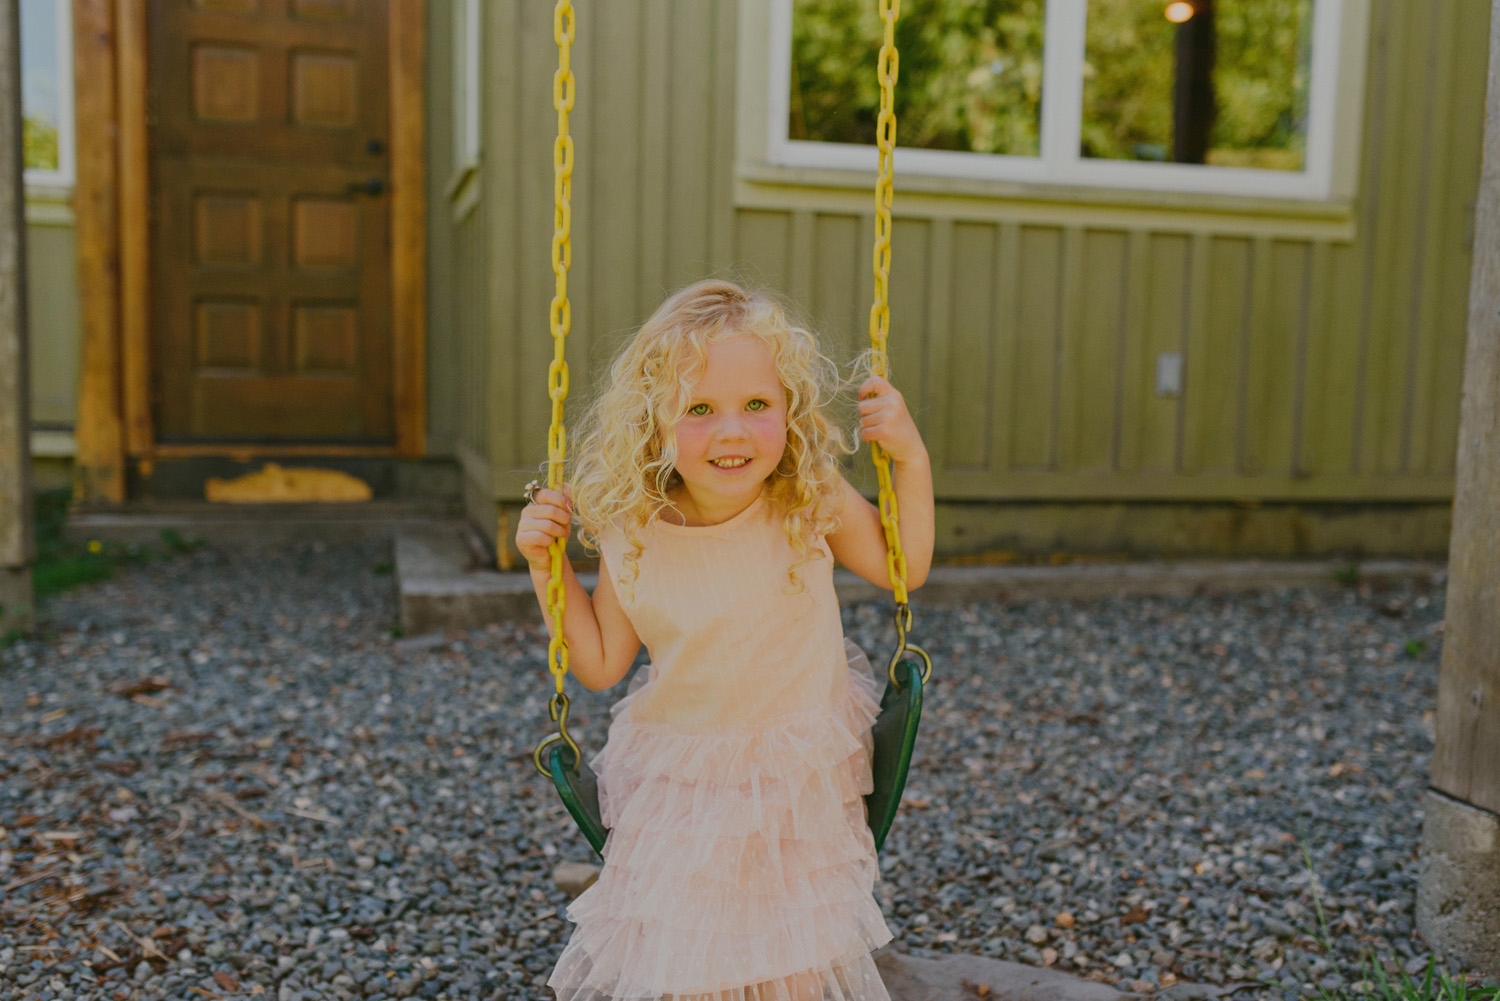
{"x":52,"y":307}
{"x":1314,"y":369}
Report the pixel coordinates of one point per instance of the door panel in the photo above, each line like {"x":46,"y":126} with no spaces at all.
{"x":271,"y":220}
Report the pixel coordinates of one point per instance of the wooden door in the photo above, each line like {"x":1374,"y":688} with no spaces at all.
{"x":269,"y":155}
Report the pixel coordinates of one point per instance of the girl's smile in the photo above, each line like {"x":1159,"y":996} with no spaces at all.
{"x":732,"y":433}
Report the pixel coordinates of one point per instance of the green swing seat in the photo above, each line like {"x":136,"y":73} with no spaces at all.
{"x":895,"y":733}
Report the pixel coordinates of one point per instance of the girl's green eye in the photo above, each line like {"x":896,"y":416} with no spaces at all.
{"x":700,"y":409}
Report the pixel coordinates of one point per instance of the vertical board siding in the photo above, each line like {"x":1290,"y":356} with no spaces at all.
{"x":534,"y":240}
{"x":1410,"y":247}
{"x":1007,"y":305}
{"x":911,"y":284}
{"x":1034,"y":356}
{"x":473,"y":314}
{"x":500,"y":184}
{"x":1467,"y":62}
{"x":1166,"y":319}
{"x":763,"y":249}
{"x":1068,"y":355}
{"x":1211,"y":390}
{"x":969,"y":386}
{"x":655,"y":197}
{"x":1280,"y":357}
{"x":1133,"y":360}
{"x":688,"y":156}
{"x":1096,"y":360}
{"x":1027,"y":350}
{"x":1387,"y":225}
{"x":838,"y":313}
{"x":1344,"y":343}
{"x":1313,"y":372}
{"x":1431,"y":193}
{"x":936,"y":343}
{"x":588,"y":51}
{"x":614,"y":246}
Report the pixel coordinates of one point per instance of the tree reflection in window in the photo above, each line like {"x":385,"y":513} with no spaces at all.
{"x":1221,"y":82}
{"x":971,"y":73}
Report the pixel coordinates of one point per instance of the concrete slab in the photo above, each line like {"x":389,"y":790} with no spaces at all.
{"x":443,"y":588}
{"x":960,"y":977}
{"x":951,"y":585}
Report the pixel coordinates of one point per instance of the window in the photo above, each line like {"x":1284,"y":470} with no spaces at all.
{"x":1215,"y":96}
{"x":466,"y":83}
{"x":47,"y":92}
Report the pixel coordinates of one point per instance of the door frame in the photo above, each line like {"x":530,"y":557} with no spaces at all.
{"x":112,"y":201}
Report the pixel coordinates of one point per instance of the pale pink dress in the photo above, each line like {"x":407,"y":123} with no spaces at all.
{"x":739,"y":866}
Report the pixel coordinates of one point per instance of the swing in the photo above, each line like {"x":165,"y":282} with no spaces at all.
{"x":910,"y":668}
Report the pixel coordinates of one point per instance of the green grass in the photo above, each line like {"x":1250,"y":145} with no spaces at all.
{"x":62,"y":565}
{"x":1436,"y":983}
{"x":1348,"y":576}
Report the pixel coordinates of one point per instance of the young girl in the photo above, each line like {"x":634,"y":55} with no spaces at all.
{"x":739,"y":866}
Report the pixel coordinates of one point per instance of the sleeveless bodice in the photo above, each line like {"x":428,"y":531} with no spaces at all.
{"x":729,"y":648}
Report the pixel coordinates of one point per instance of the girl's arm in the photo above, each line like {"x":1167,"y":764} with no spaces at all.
{"x":602,"y":644}
{"x":859,"y":544}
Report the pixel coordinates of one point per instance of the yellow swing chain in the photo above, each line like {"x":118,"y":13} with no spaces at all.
{"x":880,"y":328}
{"x":563,"y":91}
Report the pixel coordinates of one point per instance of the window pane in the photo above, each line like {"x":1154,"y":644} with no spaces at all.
{"x":41,"y":102}
{"x":1221,"y":82}
{"x":970,"y":73}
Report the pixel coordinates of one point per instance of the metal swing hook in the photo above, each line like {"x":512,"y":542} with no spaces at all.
{"x":903,"y":623}
{"x":558,"y":707}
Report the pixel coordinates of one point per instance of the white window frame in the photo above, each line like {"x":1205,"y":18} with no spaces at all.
{"x":1332,"y":133}
{"x":66,"y":173}
{"x":467,"y":83}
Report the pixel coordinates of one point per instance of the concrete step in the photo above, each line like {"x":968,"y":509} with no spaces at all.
{"x":444,"y":586}
{"x":143,"y":522}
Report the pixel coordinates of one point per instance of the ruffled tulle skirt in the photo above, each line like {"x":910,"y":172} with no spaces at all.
{"x":739,"y":866}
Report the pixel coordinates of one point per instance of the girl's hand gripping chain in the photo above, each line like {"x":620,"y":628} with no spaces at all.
{"x":549,"y":516}
{"x":884,"y":419}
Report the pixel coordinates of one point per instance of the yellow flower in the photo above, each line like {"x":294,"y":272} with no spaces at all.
{"x":95,"y":546}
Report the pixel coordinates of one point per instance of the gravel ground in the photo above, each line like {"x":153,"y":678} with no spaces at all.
{"x":221,"y":775}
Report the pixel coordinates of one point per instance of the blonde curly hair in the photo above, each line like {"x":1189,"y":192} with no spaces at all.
{"x":625,"y":448}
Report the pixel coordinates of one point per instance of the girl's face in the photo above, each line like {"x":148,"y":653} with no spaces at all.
{"x":736,"y":411}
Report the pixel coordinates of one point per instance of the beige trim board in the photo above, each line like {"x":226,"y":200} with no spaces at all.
{"x":852,"y":193}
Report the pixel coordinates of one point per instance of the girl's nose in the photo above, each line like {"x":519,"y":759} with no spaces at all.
{"x":732,"y":427}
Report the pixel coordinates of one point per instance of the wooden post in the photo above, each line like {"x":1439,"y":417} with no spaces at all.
{"x":15,"y":408}
{"x":1458,"y":891}
{"x":99,"y":462}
